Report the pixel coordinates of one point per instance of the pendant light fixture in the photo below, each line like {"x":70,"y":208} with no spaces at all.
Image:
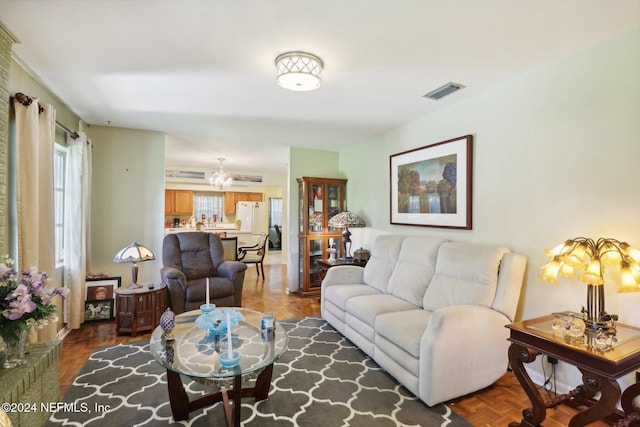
{"x":299,"y":71}
{"x":220,"y":179}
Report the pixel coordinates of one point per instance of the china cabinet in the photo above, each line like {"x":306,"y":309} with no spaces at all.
{"x":319,"y":199}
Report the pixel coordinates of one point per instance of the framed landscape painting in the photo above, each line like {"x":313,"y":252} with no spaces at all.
{"x":431,"y":185}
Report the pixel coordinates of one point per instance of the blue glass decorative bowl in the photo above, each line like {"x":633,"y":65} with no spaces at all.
{"x":229,"y":361}
{"x":216,"y":321}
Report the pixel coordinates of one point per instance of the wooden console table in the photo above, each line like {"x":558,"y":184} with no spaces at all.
{"x":139,"y":309}
{"x":600,"y":370}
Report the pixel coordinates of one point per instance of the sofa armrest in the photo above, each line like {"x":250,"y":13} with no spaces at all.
{"x":473,"y":339}
{"x":343,"y":275}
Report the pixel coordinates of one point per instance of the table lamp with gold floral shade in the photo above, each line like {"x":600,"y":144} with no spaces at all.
{"x":581,"y":253}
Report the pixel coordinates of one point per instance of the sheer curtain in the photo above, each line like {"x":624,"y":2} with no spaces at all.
{"x":34,"y":146}
{"x":77,"y":225}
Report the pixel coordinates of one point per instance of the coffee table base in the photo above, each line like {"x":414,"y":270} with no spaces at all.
{"x":181,"y":406}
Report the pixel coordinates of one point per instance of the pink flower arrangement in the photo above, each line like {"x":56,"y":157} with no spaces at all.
{"x":26,"y":303}
{"x":331,"y":250}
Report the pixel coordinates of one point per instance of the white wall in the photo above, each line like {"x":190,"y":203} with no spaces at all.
{"x":555,"y":157}
{"x":127,"y":199}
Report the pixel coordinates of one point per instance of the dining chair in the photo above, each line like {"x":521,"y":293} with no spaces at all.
{"x":230,"y":245}
{"x":255,"y":254}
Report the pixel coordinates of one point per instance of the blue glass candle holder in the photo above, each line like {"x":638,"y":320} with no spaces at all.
{"x":230,"y":360}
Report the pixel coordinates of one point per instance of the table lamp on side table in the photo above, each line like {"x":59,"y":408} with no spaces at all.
{"x":134,"y":253}
{"x":345,"y":220}
{"x":592,"y":256}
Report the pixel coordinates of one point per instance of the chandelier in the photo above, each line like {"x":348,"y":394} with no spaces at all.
{"x":299,"y":71}
{"x":220,"y":178}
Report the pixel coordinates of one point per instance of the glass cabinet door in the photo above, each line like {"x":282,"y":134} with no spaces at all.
{"x":316,"y":204}
{"x":301,"y":209}
{"x":334,"y":203}
{"x":316,"y":252}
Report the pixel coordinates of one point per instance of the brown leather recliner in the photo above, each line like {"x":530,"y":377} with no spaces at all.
{"x":188,"y":260}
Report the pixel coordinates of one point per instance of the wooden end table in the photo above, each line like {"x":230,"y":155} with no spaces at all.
{"x":139,"y":309}
{"x":600,"y":368}
{"x":324,"y":265}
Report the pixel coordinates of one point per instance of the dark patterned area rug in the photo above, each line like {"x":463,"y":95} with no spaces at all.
{"x":322,"y":380}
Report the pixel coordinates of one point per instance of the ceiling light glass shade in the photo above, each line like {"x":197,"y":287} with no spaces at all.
{"x":299,"y":71}
{"x":220,"y":178}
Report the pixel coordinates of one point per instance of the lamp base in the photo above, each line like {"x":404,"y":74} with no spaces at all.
{"x":134,"y":286}
{"x":594,"y":315}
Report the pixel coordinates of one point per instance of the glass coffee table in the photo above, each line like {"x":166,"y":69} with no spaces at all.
{"x":195,"y":353}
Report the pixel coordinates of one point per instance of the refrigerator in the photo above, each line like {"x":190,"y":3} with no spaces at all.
{"x":252,"y":216}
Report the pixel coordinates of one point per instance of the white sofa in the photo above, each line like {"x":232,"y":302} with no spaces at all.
{"x":432,"y":313}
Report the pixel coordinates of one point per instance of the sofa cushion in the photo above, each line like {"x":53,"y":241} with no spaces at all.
{"x":414,"y":269}
{"x":382,"y":262}
{"x":366,"y":308}
{"x":465,"y":274}
{"x":219,"y":287}
{"x":339,"y":294}
{"x":404,"y":329}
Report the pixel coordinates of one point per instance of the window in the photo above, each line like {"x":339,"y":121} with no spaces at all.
{"x":275,"y":211}
{"x":208,"y":205}
{"x":275,"y":223}
{"x":59,"y":163}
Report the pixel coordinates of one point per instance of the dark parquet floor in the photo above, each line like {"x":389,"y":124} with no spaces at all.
{"x":495,"y":406}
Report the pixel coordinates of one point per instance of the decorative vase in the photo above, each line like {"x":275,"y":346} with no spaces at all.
{"x":14,"y":348}
{"x":167,"y":323}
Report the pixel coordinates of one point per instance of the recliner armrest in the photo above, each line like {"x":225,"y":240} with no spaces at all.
{"x":176,"y":283}
{"x":234,"y":271}
{"x":173,"y":274}
{"x":228,"y":269}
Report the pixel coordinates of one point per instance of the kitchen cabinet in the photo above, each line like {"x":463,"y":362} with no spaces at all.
{"x":319,"y":200}
{"x":232,"y":197}
{"x":178,"y":202}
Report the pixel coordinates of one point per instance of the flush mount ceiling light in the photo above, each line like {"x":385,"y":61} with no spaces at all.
{"x":220,"y":178}
{"x":299,"y":71}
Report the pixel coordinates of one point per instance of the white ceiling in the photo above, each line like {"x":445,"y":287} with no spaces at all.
{"x":203,"y":71}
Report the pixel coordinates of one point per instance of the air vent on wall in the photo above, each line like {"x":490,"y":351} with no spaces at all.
{"x":181,"y":175}
{"x":443,"y":91}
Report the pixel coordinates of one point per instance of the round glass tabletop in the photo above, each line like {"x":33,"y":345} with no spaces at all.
{"x":195,"y":352}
